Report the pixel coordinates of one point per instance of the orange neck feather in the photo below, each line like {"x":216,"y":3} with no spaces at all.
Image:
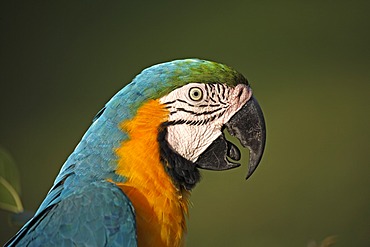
{"x":160,"y":207}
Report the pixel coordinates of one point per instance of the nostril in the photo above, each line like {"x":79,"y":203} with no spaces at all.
{"x":243,"y":93}
{"x":240,"y":93}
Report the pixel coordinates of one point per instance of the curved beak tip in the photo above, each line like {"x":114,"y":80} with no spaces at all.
{"x":254,"y":160}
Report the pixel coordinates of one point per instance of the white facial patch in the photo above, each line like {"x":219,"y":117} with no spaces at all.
{"x":197,"y":113}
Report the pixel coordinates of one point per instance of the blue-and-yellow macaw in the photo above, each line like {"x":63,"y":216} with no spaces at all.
{"x":128,"y":181}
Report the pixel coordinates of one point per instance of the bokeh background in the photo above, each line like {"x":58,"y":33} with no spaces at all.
{"x":308,"y":63}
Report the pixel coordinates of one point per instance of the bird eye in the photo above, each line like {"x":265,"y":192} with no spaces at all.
{"x":195,"y":93}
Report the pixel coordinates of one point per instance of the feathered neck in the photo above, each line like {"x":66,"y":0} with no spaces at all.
{"x":160,"y":206}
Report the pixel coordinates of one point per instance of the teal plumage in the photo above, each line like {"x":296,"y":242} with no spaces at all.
{"x":83,"y":208}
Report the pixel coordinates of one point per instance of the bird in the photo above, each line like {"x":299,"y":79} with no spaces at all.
{"x":129,"y":179}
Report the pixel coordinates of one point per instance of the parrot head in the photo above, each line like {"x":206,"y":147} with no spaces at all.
{"x":201,"y":99}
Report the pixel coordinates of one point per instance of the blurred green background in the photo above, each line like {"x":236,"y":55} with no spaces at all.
{"x":308,"y":63}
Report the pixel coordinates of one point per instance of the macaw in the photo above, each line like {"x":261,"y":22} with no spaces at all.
{"x":128,"y":181}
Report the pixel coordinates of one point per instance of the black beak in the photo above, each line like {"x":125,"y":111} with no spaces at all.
{"x":248,"y":125}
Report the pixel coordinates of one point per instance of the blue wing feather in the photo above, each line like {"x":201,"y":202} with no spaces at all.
{"x":97,"y":214}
